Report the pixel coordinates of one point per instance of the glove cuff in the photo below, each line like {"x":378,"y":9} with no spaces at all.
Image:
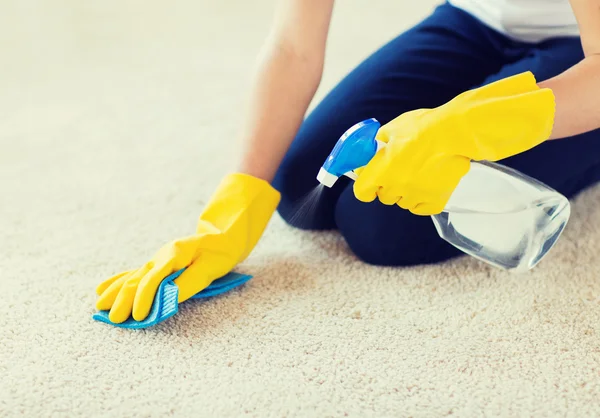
{"x":502,"y":119}
{"x":241,"y":208}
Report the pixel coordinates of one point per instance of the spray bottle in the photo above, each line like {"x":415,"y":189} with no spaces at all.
{"x":496,"y":214}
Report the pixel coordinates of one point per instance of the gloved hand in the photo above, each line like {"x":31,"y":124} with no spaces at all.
{"x":428,"y":151}
{"x":227,"y":231}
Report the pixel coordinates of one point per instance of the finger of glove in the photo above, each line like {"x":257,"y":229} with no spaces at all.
{"x":358,"y":171}
{"x":146,"y":290}
{"x":408,"y":201}
{"x":383,"y":134}
{"x":123,"y":304}
{"x":109,"y":296}
{"x":367,"y":184}
{"x":106,"y":283}
{"x":365,"y":191}
{"x":121,"y":309}
{"x":427,"y":209}
{"x":388,"y":196}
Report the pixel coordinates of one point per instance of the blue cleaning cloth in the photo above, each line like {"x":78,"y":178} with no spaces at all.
{"x":165,"y":302}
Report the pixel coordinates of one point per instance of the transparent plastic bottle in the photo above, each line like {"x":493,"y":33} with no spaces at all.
{"x":496,"y":214}
{"x":503,"y":217}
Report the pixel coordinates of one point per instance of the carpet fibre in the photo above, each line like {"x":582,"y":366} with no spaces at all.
{"x":117,"y":121}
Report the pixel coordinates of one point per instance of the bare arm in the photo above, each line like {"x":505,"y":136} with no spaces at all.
{"x":288,"y":75}
{"x":577,"y":90}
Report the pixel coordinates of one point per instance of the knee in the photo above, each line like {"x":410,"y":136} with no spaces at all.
{"x":388,"y":235}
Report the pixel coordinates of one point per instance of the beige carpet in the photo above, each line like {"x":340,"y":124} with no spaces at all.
{"x":115,"y":124}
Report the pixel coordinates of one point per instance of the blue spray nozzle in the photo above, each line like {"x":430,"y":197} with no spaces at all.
{"x":355,"y":148}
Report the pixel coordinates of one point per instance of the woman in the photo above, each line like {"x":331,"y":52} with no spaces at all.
{"x":510,"y":80}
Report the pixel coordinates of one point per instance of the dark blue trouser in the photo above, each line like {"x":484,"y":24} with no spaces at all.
{"x":444,"y":55}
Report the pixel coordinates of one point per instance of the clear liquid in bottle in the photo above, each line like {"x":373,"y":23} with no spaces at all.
{"x":503,"y":217}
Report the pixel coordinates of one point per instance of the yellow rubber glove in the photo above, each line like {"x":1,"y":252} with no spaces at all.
{"x":428,"y":151}
{"x":227,"y":231}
